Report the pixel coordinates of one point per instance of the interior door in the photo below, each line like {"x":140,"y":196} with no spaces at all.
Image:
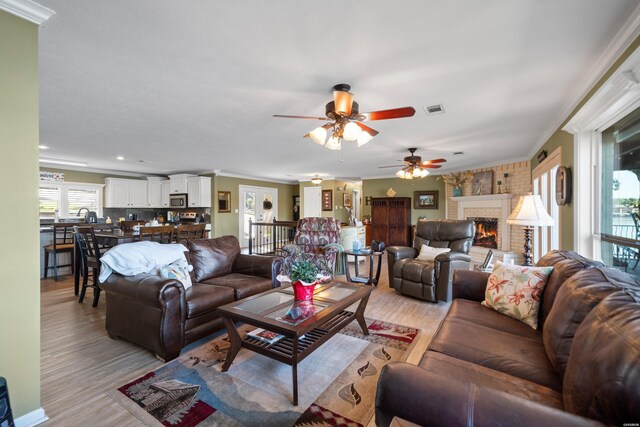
{"x":312,"y":201}
{"x":259,"y":205}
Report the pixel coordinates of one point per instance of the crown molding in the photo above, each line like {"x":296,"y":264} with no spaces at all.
{"x":622,"y":40}
{"x":100,"y":171}
{"x":27,"y":9}
{"x":254,"y":178}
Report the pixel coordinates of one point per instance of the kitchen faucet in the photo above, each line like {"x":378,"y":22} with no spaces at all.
{"x":80,"y":210}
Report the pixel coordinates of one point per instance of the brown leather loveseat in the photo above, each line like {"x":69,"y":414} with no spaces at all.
{"x":581,"y":367}
{"x":160,"y":315}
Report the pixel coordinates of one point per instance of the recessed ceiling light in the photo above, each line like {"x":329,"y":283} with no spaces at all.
{"x":43,"y":147}
{"x":120,"y":158}
{"x":63,"y":162}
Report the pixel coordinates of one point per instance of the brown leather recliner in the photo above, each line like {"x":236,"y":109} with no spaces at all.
{"x":158,"y":313}
{"x":431,"y":281}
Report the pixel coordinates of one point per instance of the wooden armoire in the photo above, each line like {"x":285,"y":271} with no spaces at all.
{"x":391,"y":220}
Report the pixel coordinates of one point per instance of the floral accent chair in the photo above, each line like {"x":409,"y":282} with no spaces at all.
{"x":317,"y":240}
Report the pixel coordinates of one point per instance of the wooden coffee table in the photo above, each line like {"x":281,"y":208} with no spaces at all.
{"x":305,"y":325}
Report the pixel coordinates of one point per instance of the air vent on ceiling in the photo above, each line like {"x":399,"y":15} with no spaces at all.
{"x":434,"y":109}
{"x":458,"y":153}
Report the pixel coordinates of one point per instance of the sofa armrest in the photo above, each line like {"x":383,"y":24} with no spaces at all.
{"x":260,"y":266}
{"x":469,"y":284}
{"x":453,"y":256}
{"x":144,"y":288}
{"x":431,"y":399}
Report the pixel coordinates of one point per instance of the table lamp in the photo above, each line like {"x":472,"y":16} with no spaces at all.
{"x":529,"y":212}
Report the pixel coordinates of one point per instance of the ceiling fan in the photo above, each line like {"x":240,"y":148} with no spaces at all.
{"x":414,"y":167}
{"x":345,"y":120}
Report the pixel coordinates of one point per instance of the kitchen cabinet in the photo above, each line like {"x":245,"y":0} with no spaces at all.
{"x":391,"y":220}
{"x":154,"y":192}
{"x":178,"y":183}
{"x":125,"y":193}
{"x":199,"y":192}
{"x":350,"y":234}
{"x":164,"y":194}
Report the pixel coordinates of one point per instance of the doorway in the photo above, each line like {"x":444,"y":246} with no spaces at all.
{"x":312,"y":202}
{"x":257,"y":204}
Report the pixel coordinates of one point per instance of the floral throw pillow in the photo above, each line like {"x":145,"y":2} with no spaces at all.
{"x":515,"y":291}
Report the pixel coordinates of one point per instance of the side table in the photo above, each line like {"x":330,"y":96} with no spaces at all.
{"x":373,"y":256}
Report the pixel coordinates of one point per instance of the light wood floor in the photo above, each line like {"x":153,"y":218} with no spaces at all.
{"x":80,"y":362}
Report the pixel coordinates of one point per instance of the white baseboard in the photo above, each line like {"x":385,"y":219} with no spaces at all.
{"x":33,"y":418}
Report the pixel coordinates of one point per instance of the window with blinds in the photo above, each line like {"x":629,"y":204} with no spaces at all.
{"x":82,"y":198}
{"x":49,"y":201}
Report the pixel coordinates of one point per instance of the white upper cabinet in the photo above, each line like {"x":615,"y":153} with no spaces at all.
{"x":199,"y":192}
{"x":164,"y":194}
{"x":154,"y":192}
{"x":125,"y":193}
{"x":178,"y":183}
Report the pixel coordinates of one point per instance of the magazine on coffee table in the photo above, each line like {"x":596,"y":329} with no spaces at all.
{"x":298,"y":312}
{"x":266,"y":336}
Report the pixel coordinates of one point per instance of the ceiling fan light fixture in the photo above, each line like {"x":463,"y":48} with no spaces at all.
{"x":416,"y":172}
{"x":351,"y":131}
{"x":363,"y":138}
{"x":400,"y":174}
{"x":424,"y":173}
{"x":319,"y":135}
{"x":333,"y":143}
{"x":316,"y":180}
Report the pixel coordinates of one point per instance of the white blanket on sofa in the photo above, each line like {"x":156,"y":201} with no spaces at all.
{"x":130,"y":259}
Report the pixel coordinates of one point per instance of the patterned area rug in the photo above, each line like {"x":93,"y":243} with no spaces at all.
{"x":336,"y":383}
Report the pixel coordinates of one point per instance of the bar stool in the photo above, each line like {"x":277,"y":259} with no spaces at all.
{"x":190,"y":231}
{"x":62,"y":243}
{"x":6,"y":417}
{"x":90,"y":259}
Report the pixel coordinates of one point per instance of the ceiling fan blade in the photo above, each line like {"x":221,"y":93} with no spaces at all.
{"x":394,"y":166}
{"x":343,"y":101}
{"x":394,"y":113}
{"x":431,"y":166}
{"x":429,"y":162}
{"x":367,"y":129}
{"x":300,"y":117}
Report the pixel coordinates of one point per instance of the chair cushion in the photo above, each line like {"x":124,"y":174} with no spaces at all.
{"x":575,"y":300}
{"x":429,"y":254}
{"x":202,"y":299}
{"x":522,"y":356}
{"x":420,"y":272}
{"x":212,"y":257}
{"x":515,"y":291}
{"x":602,"y":380}
{"x":242,"y":285}
{"x":485,"y":377}
{"x":456,"y":235}
{"x":565,"y":264}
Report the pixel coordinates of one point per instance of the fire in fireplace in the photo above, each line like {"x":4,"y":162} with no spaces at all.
{"x":486,"y":232}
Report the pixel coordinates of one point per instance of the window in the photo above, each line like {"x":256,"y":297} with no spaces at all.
{"x":620,"y":194}
{"x":68,"y":198}
{"x":544,"y":181}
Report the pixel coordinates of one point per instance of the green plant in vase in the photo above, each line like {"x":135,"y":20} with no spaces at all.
{"x":305,"y":271}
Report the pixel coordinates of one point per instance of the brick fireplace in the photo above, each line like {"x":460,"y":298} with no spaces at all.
{"x":486,"y":232}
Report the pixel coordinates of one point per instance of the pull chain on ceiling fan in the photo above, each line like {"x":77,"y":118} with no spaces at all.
{"x":414,"y":167}
{"x":345,"y":120}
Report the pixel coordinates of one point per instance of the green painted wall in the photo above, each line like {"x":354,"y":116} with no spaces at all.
{"x":82,"y":176}
{"x":405,"y":188}
{"x":564,"y":139}
{"x":228,"y":223}
{"x":20,"y":284}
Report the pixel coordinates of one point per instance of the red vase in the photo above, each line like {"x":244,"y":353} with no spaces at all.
{"x":303,"y":292}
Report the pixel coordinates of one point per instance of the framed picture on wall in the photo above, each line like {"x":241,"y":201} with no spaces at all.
{"x":327,"y":200}
{"x":346,"y":200}
{"x":425,"y":199}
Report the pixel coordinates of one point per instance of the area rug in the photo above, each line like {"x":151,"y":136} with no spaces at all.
{"x":336,"y":383}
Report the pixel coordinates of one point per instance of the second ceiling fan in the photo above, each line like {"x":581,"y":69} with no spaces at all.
{"x":414,"y":167}
{"x":345,"y":120}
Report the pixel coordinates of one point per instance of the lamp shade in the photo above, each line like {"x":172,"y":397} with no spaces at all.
{"x":530,"y":212}
{"x":351,"y":131}
{"x":316,"y":180}
{"x":318,"y":135}
{"x":333,"y":143}
{"x":363,"y":138}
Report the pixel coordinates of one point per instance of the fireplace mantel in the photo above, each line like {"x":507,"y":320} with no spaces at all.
{"x":499,"y":201}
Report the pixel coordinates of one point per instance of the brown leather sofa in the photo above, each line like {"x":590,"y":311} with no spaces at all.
{"x":431,"y":281}
{"x":160,"y":315}
{"x":484,"y":368}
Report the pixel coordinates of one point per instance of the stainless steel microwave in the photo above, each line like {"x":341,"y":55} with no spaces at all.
{"x":177,"y":201}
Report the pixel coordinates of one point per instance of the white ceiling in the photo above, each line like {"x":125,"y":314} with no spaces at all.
{"x":191,"y":86}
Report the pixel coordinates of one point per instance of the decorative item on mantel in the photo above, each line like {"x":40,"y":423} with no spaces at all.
{"x":457,"y":180}
{"x":482,"y":183}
